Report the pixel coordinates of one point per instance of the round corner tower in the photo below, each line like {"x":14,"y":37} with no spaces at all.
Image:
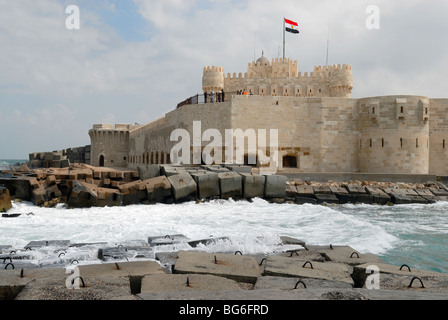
{"x":213,"y":79}
{"x":110,"y":145}
{"x":340,"y":80}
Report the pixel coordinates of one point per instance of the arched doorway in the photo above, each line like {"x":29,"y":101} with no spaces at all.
{"x":101,"y":161}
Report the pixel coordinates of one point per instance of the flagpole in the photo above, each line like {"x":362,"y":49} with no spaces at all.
{"x":283,"y":24}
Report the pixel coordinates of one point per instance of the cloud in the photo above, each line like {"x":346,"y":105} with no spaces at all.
{"x":102,"y":73}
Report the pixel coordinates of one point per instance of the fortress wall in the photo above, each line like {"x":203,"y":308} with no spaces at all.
{"x":340,"y":135}
{"x":319,"y":132}
{"x":151,"y":144}
{"x":393,"y":140}
{"x":438,"y":136}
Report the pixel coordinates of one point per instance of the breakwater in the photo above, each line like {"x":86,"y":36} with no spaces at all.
{"x":139,"y":271}
{"x":84,"y":186}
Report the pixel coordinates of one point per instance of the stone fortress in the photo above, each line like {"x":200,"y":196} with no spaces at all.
{"x":321,"y":129}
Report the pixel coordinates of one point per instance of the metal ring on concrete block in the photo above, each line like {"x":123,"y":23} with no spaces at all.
{"x":82,"y":280}
{"x":21,"y":273}
{"x":239,"y":252}
{"x":331,"y":247}
{"x":62,"y":253}
{"x":357,"y":255}
{"x":405,"y":265}
{"x":294,"y":251}
{"x":412,"y":281}
{"x":300,"y":281}
{"x":28,"y":248}
{"x":74,"y":261}
{"x":13,"y":251}
{"x":216,"y":261}
{"x":6,"y":267}
{"x":307,"y":263}
{"x":118,"y":267}
{"x":188,"y":282}
{"x":261,"y":262}
{"x":4,"y":259}
{"x":168,"y":237}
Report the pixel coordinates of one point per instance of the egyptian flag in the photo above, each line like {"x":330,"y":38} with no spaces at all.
{"x":291,"y":26}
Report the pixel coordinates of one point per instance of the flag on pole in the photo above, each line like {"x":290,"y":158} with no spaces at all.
{"x":291,"y":26}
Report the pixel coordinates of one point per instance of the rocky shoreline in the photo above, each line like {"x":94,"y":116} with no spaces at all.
{"x":84,"y":186}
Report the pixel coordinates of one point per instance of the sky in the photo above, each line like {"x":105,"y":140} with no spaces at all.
{"x":132,"y":61}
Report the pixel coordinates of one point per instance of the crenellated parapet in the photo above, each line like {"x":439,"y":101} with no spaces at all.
{"x":281,"y":77}
{"x":212,"y":79}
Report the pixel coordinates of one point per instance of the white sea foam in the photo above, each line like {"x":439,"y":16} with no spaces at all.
{"x":251,"y":228}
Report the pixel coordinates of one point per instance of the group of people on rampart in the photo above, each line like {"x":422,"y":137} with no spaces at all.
{"x":220,"y":96}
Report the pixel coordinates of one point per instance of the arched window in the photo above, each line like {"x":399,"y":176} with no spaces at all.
{"x":101,"y":161}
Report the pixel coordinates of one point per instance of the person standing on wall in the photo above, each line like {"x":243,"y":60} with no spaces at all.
{"x":212,"y":96}
{"x":222,"y":95}
{"x":205,"y":96}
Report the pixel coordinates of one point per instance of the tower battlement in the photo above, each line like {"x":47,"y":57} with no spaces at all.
{"x":281,"y":77}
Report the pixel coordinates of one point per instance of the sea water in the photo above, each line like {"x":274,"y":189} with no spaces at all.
{"x":415,"y":234}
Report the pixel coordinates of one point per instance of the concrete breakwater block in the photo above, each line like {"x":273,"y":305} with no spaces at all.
{"x":236,"y":267}
{"x":48,"y":243}
{"x":82,"y":195}
{"x":379,"y":196}
{"x":206,"y":242}
{"x":186,"y":282}
{"x":253,"y":185}
{"x":125,"y":252}
{"x":322,"y":189}
{"x":215,"y":168}
{"x":291,"y":283}
{"x":326,"y":198}
{"x":133,"y":268}
{"x":183,"y":186}
{"x":230,"y":184}
{"x":5,"y":199}
{"x":207,"y":183}
{"x":149,"y":171}
{"x":347,"y":255}
{"x":170,"y":170}
{"x":305,"y":191}
{"x":108,"y":197}
{"x":275,"y":186}
{"x":167,"y":240}
{"x":296,"y":267}
{"x":239,"y":168}
{"x":158,"y":189}
{"x":133,"y":192}
{"x":400,"y":276}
